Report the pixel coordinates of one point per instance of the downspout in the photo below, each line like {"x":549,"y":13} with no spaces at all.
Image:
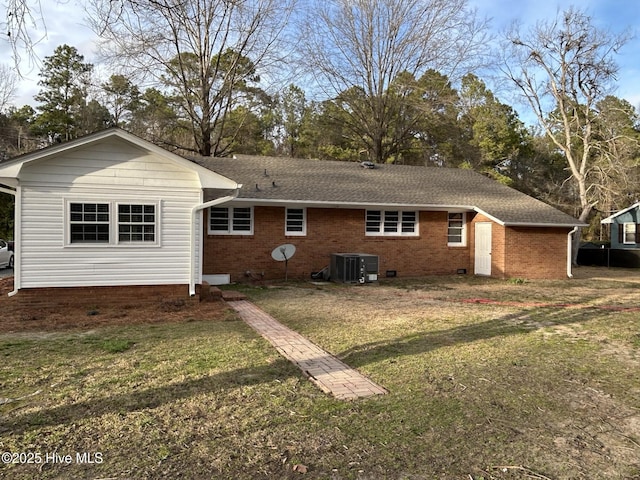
{"x":16,"y":239}
{"x":192,"y":238}
{"x":570,"y":251}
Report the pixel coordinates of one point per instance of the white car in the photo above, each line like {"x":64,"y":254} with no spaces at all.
{"x":6,"y":255}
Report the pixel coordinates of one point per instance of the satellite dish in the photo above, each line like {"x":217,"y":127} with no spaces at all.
{"x":282,"y":254}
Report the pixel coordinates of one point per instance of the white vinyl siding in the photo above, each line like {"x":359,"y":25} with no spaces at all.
{"x":391,"y":223}
{"x":113,"y":164}
{"x":49,"y":260}
{"x":231,"y":221}
{"x":295,"y":221}
{"x":457,"y":230}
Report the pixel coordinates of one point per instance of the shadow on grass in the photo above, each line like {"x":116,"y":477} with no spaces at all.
{"x":149,"y":398}
{"x":517,"y":323}
{"x":520,"y":322}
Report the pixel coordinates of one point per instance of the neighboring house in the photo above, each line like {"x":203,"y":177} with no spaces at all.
{"x":625,"y":228}
{"x":112,"y":210}
{"x":624,"y":250}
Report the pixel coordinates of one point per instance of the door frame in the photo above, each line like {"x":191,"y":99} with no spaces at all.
{"x":483,"y":237}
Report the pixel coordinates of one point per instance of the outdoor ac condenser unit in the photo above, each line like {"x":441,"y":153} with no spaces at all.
{"x":353,"y":268}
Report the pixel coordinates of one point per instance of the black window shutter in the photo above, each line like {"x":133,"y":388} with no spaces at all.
{"x":637,"y":232}
{"x":620,"y":233}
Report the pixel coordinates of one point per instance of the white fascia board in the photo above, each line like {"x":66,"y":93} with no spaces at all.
{"x":611,"y":218}
{"x":208,"y":178}
{"x":328,"y":204}
{"x":489,"y":216}
{"x":529,"y":224}
{"x":9,"y":173}
{"x":10,"y":191}
{"x":549,"y":225}
{"x":61,"y":147}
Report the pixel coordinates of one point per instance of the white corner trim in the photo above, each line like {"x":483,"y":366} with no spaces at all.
{"x":192,"y":237}
{"x":16,"y":238}
{"x":570,"y":251}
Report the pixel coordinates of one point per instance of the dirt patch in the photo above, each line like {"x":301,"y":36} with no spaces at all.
{"x":16,"y":317}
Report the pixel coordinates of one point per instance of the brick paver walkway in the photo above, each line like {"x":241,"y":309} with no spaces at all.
{"x":323,"y":369}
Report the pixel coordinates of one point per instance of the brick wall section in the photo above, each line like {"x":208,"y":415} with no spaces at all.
{"x":95,"y":297}
{"x":332,"y":231}
{"x":498,"y":251}
{"x":536,"y":252}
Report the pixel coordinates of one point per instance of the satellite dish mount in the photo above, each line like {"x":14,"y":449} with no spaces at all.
{"x":282,"y":254}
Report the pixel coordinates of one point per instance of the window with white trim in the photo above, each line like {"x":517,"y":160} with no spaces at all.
{"x":112,"y":223}
{"x":629,"y":235}
{"x":231,"y":221}
{"x":295,"y":221}
{"x":89,"y":222}
{"x":457,"y":229}
{"x":136,"y":223}
{"x":391,"y":223}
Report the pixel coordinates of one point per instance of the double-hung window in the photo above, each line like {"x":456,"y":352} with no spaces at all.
{"x":89,"y":222}
{"x":295,"y":222}
{"x":457,"y":230}
{"x":391,"y":223}
{"x":136,"y":223}
{"x":630,"y":234}
{"x":231,"y":221}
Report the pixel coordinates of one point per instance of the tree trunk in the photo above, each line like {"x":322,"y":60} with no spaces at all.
{"x":577,"y":236}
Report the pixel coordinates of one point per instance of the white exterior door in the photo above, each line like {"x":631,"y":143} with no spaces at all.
{"x":483,"y":249}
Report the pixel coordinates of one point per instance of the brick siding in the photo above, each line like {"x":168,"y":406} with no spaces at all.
{"x":536,"y":252}
{"x":332,"y":231}
{"x":95,"y":297}
{"x":516,"y":252}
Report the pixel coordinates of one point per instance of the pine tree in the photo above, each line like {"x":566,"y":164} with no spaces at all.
{"x":65,"y":80}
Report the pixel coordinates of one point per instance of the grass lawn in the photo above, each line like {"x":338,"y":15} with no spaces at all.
{"x":487,"y":379}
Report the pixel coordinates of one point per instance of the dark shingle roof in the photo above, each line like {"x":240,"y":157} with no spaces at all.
{"x":273,"y":179}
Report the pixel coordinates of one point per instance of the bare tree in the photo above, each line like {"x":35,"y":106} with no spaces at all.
{"x":616,"y":164}
{"x":563,"y":68}
{"x":198,"y":49}
{"x":362,"y":45}
{"x":23,"y":28}
{"x":8,"y":80}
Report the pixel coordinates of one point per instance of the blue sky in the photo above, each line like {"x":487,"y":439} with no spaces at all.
{"x":65,"y":25}
{"x":612,"y":15}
